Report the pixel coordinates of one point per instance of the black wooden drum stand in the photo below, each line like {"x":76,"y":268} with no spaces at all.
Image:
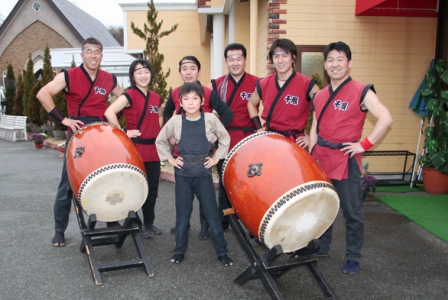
{"x":267,"y":269}
{"x":116,"y":235}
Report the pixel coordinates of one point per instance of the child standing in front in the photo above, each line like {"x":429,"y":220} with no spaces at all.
{"x":194,"y":132}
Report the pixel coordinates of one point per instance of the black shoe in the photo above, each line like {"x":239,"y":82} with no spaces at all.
{"x":204,"y":234}
{"x":144,"y":234}
{"x":59,"y":239}
{"x":177,"y":258}
{"x":225,"y":260}
{"x":225,"y":225}
{"x":153,"y":229}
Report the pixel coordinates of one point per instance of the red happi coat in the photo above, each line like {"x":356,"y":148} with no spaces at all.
{"x":237,"y":96}
{"x":86,"y":97}
{"x":150,"y":126}
{"x":293,"y":105}
{"x":342,"y":122}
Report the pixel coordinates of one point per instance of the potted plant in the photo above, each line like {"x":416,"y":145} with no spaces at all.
{"x":434,"y":159}
{"x":38,"y":139}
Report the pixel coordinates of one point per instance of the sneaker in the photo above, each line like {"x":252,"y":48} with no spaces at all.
{"x":153,"y":229}
{"x":351,"y":267}
{"x":225,"y":260}
{"x":204,"y":234}
{"x":144,"y":234}
{"x":177,"y":258}
{"x":59,"y":239}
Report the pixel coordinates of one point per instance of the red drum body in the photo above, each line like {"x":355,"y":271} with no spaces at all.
{"x":105,"y":171}
{"x":278,"y":191}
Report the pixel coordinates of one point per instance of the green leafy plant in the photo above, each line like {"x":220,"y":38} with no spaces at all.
{"x":435,"y":94}
{"x":10,"y":89}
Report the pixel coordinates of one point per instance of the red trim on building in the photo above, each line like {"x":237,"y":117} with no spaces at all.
{"x":397,"y":8}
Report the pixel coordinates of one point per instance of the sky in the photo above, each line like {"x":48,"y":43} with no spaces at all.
{"x":107,"y":12}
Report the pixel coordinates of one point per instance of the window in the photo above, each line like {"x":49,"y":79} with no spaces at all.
{"x":310,"y":61}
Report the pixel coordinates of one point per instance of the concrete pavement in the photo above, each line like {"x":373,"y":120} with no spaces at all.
{"x":401,"y":259}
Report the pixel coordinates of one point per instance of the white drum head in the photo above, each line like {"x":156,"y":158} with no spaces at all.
{"x":299,"y":216}
{"x":112,"y":191}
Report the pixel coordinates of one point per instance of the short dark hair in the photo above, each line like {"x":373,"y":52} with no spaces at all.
{"x":235,"y":46}
{"x":91,"y":40}
{"x":338,"y":46}
{"x":193,"y":59}
{"x":134,"y":64}
{"x":190,"y":87}
{"x":284,"y":44}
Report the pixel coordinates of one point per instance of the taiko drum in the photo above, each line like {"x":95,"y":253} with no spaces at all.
{"x":278,"y":191}
{"x":106,"y":173}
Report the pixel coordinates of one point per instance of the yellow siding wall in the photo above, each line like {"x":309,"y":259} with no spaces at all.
{"x":184,"y":41}
{"x":262,"y":38}
{"x":242,"y":23}
{"x":393,"y":53}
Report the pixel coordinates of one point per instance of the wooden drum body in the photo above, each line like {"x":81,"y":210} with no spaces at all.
{"x":278,"y":191}
{"x":105,"y":171}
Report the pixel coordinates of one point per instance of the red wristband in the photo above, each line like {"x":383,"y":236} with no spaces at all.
{"x":366,"y":144}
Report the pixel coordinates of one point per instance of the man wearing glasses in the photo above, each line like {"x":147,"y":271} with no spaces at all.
{"x":86,"y":89}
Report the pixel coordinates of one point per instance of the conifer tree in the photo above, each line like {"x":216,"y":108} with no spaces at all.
{"x":47,"y":76}
{"x":61,"y":103}
{"x":10,"y":89}
{"x":151,"y":34}
{"x":47,"y":73}
{"x":34,"y":105}
{"x":17,"y":110}
{"x":29,"y":82}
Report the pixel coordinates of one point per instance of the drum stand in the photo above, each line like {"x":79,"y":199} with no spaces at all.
{"x":267,"y":269}
{"x":116,"y":235}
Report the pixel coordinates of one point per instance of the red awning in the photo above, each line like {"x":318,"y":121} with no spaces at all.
{"x":397,"y":8}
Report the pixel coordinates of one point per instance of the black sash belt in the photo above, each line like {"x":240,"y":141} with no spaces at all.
{"x":324,"y":143}
{"x":88,"y":119}
{"x":142,"y":141}
{"x":292,"y":133}
{"x":194,"y":159}
{"x":245,"y":129}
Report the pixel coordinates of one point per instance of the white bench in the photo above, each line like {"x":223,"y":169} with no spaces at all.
{"x":6,"y":127}
{"x":13,"y":128}
{"x":19,"y":130}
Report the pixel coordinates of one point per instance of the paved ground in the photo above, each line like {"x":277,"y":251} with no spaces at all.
{"x":401,"y":259}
